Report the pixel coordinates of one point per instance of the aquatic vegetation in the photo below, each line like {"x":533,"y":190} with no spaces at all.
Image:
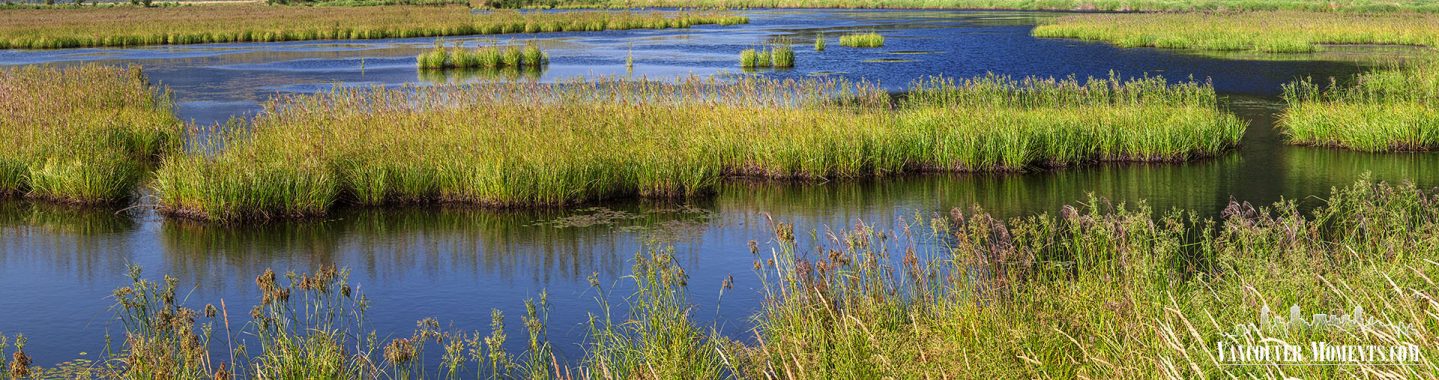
{"x":1350,"y":6}
{"x":819,"y":42}
{"x":126,"y":26}
{"x":81,"y":134}
{"x":529,"y":57}
{"x":862,"y":40}
{"x":1270,"y":32}
{"x":781,"y":55}
{"x":1102,"y":290}
{"x":528,"y":144}
{"x":1385,"y":110}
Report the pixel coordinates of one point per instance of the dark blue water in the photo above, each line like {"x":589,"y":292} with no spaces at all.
{"x":58,"y":264}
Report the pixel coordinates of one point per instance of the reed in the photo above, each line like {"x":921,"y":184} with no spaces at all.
{"x":819,"y":42}
{"x":527,"y":144}
{"x":1100,"y":290}
{"x":781,"y":55}
{"x":862,"y":40}
{"x":528,"y":57}
{"x":127,"y":26}
{"x":1395,"y":109}
{"x":82,"y":134}
{"x":1267,"y":31}
{"x":1344,"y":6}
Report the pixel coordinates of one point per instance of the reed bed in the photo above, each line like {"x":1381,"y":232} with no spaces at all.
{"x":528,"y":144}
{"x":819,"y":42}
{"x":781,"y":55}
{"x":1347,"y":6}
{"x":126,"y":26}
{"x":1269,"y":32}
{"x":528,"y":57}
{"x":1100,"y":290}
{"x":862,"y":40}
{"x":1394,"y":109}
{"x":82,"y":134}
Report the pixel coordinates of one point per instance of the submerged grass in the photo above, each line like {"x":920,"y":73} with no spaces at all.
{"x":1270,"y":32}
{"x":528,"y":57}
{"x":1394,"y":109}
{"x":126,"y":26}
{"x":82,"y":134}
{"x":863,"y":40}
{"x":528,"y":144}
{"x":1097,"y":291}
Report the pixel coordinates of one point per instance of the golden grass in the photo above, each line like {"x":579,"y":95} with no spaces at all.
{"x":133,"y":26}
{"x":1273,"y":32}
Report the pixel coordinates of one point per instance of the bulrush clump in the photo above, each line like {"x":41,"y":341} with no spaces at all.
{"x":82,"y":134}
{"x":558,"y":144}
{"x":494,"y":57}
{"x":862,"y":40}
{"x":126,"y":26}
{"x":1385,"y":110}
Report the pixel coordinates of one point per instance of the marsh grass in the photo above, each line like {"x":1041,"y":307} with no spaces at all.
{"x":819,"y":42}
{"x":862,"y":40}
{"x":1394,"y":109}
{"x":779,"y":56}
{"x":126,"y":26}
{"x":1344,"y":6}
{"x":1112,"y":291}
{"x":528,"y":57}
{"x":1098,"y":290}
{"x":1269,"y":32}
{"x":83,"y":134}
{"x":530,"y":144}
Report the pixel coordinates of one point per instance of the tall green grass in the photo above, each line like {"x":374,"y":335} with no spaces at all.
{"x":1102,"y":291}
{"x":1097,"y":291}
{"x":1270,"y":32}
{"x":82,"y":134}
{"x":1393,"y":109}
{"x":528,"y":57}
{"x":125,"y":26}
{"x":780,"y":55}
{"x":527,"y":144}
{"x":863,"y":40}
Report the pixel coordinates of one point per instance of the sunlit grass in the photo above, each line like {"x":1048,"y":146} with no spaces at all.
{"x":863,"y":40}
{"x":83,"y":134}
{"x":1272,"y":32}
{"x":1348,"y":6}
{"x":528,"y":144}
{"x":528,"y":57}
{"x":780,"y":55}
{"x":1097,"y":291}
{"x":133,"y":26}
{"x":1385,"y":110}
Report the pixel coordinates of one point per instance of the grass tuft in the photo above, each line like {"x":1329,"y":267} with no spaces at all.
{"x":862,"y":40}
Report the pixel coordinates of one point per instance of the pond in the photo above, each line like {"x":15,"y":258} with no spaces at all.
{"x":59,"y":264}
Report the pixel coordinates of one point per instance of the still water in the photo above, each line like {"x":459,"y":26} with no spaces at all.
{"x":58,"y":264}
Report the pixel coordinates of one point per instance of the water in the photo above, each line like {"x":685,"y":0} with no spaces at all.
{"x":59,"y":264}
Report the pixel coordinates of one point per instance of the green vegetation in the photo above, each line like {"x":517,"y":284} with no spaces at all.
{"x":126,"y":26}
{"x":520,"y":145}
{"x":1271,"y":32}
{"x":529,"y":57}
{"x":863,"y":40}
{"x":1350,"y":6}
{"x":82,"y":134}
{"x":1385,"y":110}
{"x":781,"y":55}
{"x":819,"y":42}
{"x":1097,"y":291}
